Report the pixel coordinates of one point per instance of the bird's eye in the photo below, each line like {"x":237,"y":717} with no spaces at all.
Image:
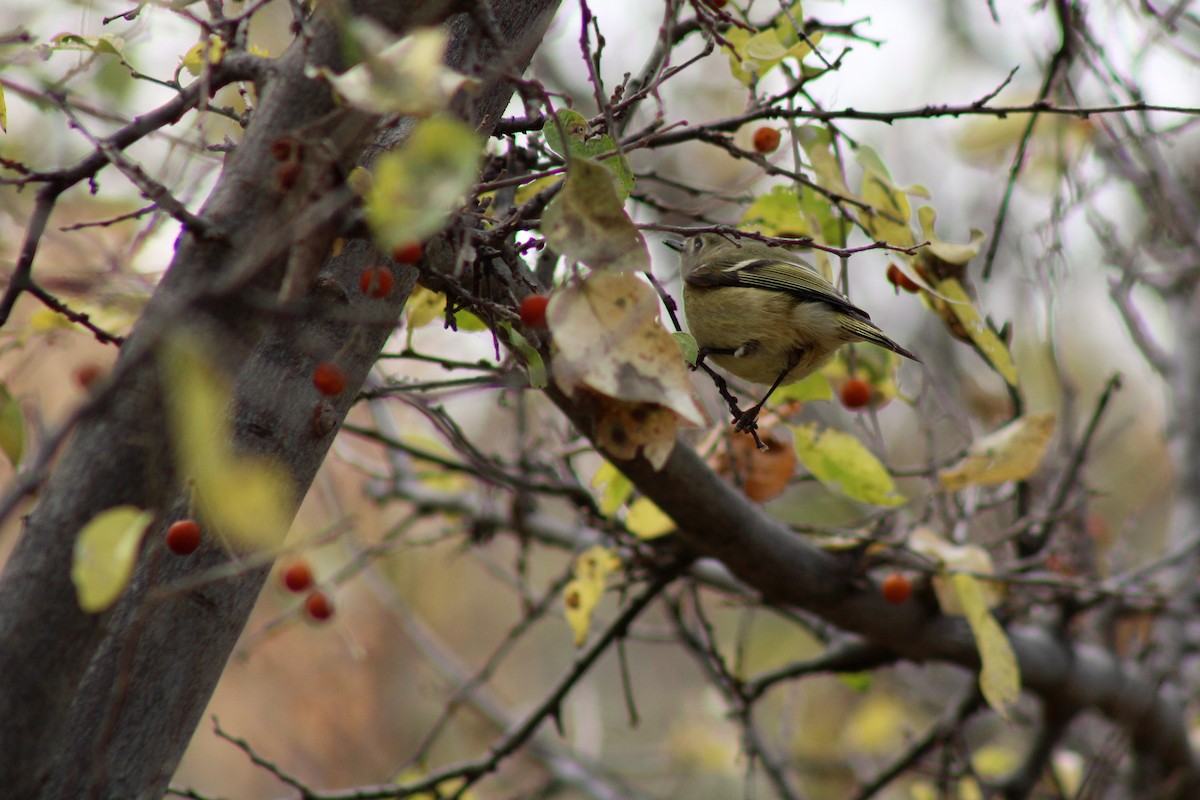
{"x":697,"y":243}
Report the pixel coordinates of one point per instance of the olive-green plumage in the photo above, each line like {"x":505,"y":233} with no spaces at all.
{"x":763,"y":314}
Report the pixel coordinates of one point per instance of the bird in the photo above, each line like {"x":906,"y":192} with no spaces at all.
{"x":764,"y":314}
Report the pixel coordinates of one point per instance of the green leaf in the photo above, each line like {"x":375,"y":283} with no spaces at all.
{"x":12,"y":427}
{"x":104,"y":555}
{"x":581,"y":142}
{"x":844,"y":464}
{"x":534,"y":365}
{"x":1000,"y":676}
{"x":416,"y":187}
{"x":687,"y":346}
{"x":587,"y":221}
{"x":814,"y":387}
{"x":776,"y":213}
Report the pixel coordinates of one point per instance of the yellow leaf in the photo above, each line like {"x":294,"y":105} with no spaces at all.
{"x":3,"y":112}
{"x":615,"y":488}
{"x":1012,"y":453}
{"x":45,"y":319}
{"x":417,"y":186}
{"x":844,"y":464}
{"x":880,"y":724}
{"x":210,"y":51}
{"x":952,"y":557}
{"x":406,"y":76}
{"x":988,"y":342}
{"x":887,"y":220}
{"x":581,"y":595}
{"x":249,"y":498}
{"x":105,"y":552}
{"x":12,"y":427}
{"x":753,"y":55}
{"x":423,"y":307}
{"x":949,"y":252}
{"x":1000,"y":677}
{"x":817,"y":144}
{"x":645,"y":520}
{"x":587,"y":221}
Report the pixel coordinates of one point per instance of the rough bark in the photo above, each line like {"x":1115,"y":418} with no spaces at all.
{"x":103,"y":705}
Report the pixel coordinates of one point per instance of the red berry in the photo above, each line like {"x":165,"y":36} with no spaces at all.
{"x":408,"y":253}
{"x":318,"y":606}
{"x":329,"y":379}
{"x":896,"y":588}
{"x":298,"y":577}
{"x":183,"y":537}
{"x":533,"y":310}
{"x":376,"y":282}
{"x":87,"y":374}
{"x":856,"y":393}
{"x":766,"y":140}
{"x":897,"y":278}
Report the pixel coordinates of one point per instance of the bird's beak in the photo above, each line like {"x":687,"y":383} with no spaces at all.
{"x":674,"y":244}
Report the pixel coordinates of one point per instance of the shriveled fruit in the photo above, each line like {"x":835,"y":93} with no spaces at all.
{"x":766,"y":140}
{"x":897,"y":278}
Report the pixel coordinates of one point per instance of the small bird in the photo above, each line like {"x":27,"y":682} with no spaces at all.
{"x":765,"y":315}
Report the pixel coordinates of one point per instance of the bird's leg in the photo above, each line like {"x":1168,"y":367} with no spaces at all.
{"x":748,"y":421}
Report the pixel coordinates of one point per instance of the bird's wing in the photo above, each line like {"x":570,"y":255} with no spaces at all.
{"x":798,"y":280}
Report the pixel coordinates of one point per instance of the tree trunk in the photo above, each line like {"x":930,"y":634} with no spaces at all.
{"x":104,"y":705}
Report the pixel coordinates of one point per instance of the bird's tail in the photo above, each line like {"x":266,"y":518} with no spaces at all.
{"x":866,"y":331}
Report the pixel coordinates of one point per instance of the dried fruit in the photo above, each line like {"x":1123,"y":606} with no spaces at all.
{"x":897,"y":278}
{"x":766,"y":140}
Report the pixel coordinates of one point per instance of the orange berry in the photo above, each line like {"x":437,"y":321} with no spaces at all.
{"x":318,"y":606}
{"x":856,"y":393}
{"x":376,"y":281}
{"x":897,"y":278}
{"x":87,"y":374}
{"x":329,"y":379}
{"x":896,"y":588}
{"x":766,"y":140}
{"x":533,"y":310}
{"x":183,"y":537}
{"x":298,"y":577}
{"x":408,"y":253}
